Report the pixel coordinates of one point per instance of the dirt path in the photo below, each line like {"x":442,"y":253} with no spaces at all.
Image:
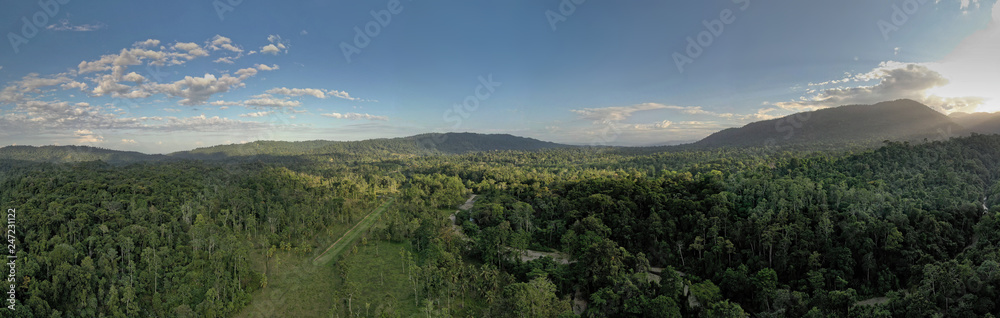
{"x":872,"y":301}
{"x":454,"y":222}
{"x":561,"y":258}
{"x":352,"y":234}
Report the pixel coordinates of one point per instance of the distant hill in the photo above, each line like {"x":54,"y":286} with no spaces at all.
{"x":983,"y":123}
{"x":59,"y":154}
{"x":425,"y":144}
{"x":900,"y":120}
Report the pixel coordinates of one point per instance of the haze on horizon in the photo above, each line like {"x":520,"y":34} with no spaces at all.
{"x":158,"y":77}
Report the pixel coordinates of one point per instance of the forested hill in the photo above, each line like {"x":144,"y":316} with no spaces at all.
{"x":900,"y":120}
{"x":73,"y":154}
{"x":983,"y":123}
{"x":425,"y":144}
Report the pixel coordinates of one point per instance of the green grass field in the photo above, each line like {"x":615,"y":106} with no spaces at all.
{"x":351,"y":236}
{"x":377,"y":279}
{"x":303,"y":284}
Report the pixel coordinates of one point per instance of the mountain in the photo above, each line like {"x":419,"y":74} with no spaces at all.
{"x":983,"y":123}
{"x":900,"y":120}
{"x":59,"y":154}
{"x":425,"y":144}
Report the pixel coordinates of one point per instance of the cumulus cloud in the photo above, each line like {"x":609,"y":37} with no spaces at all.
{"x":277,"y":45}
{"x":270,"y":49}
{"x":134,"y":77}
{"x":621,"y":113}
{"x":31,"y":106}
{"x":314,"y":92}
{"x":894,"y":81}
{"x":193,"y":49}
{"x":223,"y":43}
{"x":197,"y":90}
{"x":265,"y":100}
{"x":147,"y":43}
{"x":257,"y":114}
{"x":87,"y":136}
{"x":264,"y":67}
{"x":318,"y":93}
{"x":205,"y":124}
{"x":355,"y":116}
{"x":33,"y":83}
{"x":64,"y":25}
{"x":616,"y":113}
{"x":659,"y":125}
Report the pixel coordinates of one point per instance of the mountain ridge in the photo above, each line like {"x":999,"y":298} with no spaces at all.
{"x":899,"y":120}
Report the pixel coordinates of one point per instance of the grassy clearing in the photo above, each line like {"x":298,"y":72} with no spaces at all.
{"x":351,"y":236}
{"x":378,"y":277}
{"x":296,"y":286}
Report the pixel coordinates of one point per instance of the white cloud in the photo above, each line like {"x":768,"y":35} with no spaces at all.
{"x":264,"y":67}
{"x":966,"y":3}
{"x":355,"y":116}
{"x":147,"y":43}
{"x":266,"y":100}
{"x":193,"y":49}
{"x":318,"y":93}
{"x":895,"y":81}
{"x":223,"y":43}
{"x":64,"y":25}
{"x":223,"y":103}
{"x":129,"y":141}
{"x":33,"y":83}
{"x":202,"y":124}
{"x":246,"y":72}
{"x":344,"y":95}
{"x":277,"y":45}
{"x":972,"y":66}
{"x":257,"y":114}
{"x":965,"y":80}
{"x":134,"y":77}
{"x":660,"y":125}
{"x":617,"y":113}
{"x":87,"y":136}
{"x":270,"y":49}
{"x":197,"y":90}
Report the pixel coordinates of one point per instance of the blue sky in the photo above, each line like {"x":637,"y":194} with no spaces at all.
{"x":158,"y":77}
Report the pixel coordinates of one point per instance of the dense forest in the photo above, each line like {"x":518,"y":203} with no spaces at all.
{"x":899,"y":230}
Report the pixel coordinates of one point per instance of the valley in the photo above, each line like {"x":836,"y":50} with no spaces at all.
{"x":274,"y":229}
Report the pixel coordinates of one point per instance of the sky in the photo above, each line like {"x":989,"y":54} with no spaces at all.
{"x":165,"y":76}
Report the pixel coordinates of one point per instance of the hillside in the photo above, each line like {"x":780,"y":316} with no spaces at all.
{"x":424,"y":144}
{"x":900,"y":120}
{"x":62,"y":154}
{"x":983,"y":123}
